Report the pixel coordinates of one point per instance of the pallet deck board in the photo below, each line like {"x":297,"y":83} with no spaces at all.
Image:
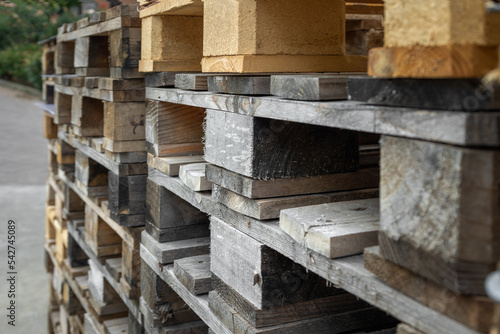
{"x":459,"y":128}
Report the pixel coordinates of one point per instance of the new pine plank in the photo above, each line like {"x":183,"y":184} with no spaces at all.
{"x":455,"y":61}
{"x":334,"y":229}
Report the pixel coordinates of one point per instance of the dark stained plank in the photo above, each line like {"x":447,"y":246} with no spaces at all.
{"x":441,"y":94}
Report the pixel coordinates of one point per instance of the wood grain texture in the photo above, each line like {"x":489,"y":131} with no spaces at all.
{"x":283,"y":63}
{"x":253,"y":188}
{"x":169,"y":124}
{"x":310,"y":87}
{"x":277,"y":315}
{"x":194,"y":273}
{"x":89,"y":172}
{"x":178,"y":233}
{"x":460,"y":128}
{"x":124,"y":121}
{"x":243,"y":145}
{"x":269,"y":208}
{"x":125,"y":47}
{"x":262,"y":276}
{"x":473,"y":311}
{"x":193,"y":176}
{"x":450,"y":61}
{"x":442,"y":94}
{"x":99,"y":236}
{"x":168,"y":252}
{"x":192,"y":81}
{"x":131,"y":271}
{"x":123,"y":146}
{"x":334,"y":229}
{"x":236,"y":84}
{"x":127,"y":194}
{"x":337,"y":323}
{"x":439,"y":210}
{"x":62,"y":108}
{"x":171,"y":165}
{"x":167,"y":210}
{"x":160,"y":79}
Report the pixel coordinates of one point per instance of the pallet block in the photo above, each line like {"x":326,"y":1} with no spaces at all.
{"x":439,"y":211}
{"x":130,"y":280}
{"x":126,"y":194}
{"x":237,"y":39}
{"x":171,"y":43}
{"x":438,"y":23}
{"x":433,"y":62}
{"x":267,"y":149}
{"x":475,"y":312}
{"x":260,"y":274}
{"x":124,"y":121}
{"x":161,"y":301}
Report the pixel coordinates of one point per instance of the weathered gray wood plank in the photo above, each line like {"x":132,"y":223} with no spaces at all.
{"x":240,"y":84}
{"x":194,"y":273}
{"x":266,"y":149}
{"x":334,"y":229}
{"x":347,"y":273}
{"x":197,"y":303}
{"x":310,"y":87}
{"x":269,"y":208}
{"x":460,"y":128}
{"x":253,"y":188}
{"x":439,"y":211}
{"x":258,"y":273}
{"x":336,"y":323}
{"x":168,"y":252}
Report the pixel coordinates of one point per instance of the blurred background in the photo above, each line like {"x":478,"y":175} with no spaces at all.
{"x":25,"y":22}
{"x":23,"y":150}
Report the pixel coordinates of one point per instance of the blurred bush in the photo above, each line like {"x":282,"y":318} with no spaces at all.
{"x":22,"y":24}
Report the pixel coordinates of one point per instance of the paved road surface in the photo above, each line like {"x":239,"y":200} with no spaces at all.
{"x":23,"y":170}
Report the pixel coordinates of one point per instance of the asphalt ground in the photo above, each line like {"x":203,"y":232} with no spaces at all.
{"x":23,"y":172}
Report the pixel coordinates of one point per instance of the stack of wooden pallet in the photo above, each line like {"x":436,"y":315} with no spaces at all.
{"x":439,"y":202}
{"x":258,"y":187}
{"x":97,"y":185}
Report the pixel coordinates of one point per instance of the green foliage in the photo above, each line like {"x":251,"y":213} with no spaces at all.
{"x":22,"y":24}
{"x":22,"y":63}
